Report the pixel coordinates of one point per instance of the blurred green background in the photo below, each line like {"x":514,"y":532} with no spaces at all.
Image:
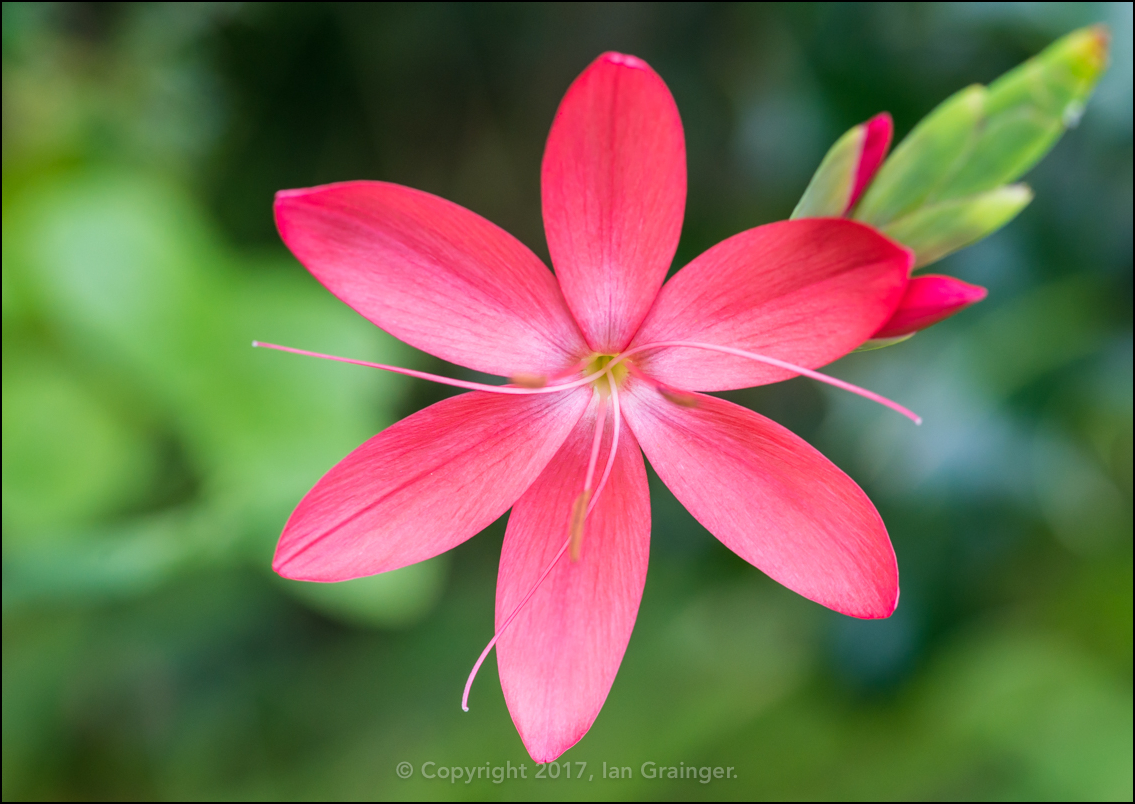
{"x":151,"y":457}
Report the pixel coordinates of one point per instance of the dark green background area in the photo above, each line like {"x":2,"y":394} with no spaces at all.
{"x":151,"y":457}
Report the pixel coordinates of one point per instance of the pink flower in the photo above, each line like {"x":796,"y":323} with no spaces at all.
{"x":607,"y":363}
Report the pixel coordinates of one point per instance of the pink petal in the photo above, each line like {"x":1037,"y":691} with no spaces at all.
{"x":880,"y":129}
{"x":432,"y":274}
{"x":425,"y":484}
{"x":929,"y":299}
{"x":805,"y":291}
{"x":770,"y":498}
{"x":559,"y":656}
{"x":614,"y":191}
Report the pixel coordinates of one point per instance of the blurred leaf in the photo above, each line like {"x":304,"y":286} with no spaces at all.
{"x":135,"y":278}
{"x":1095,"y":607}
{"x":14,"y":303}
{"x":1031,"y":700}
{"x":395,"y":599}
{"x":1085,"y":510}
{"x":1037,"y":333}
{"x":935,"y":230}
{"x":131,"y":275}
{"x":68,"y":458}
{"x":138,"y":285}
{"x":39,"y":655}
{"x":116,"y":561}
{"x":827,"y":194}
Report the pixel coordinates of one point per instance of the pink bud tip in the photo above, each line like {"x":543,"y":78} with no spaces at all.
{"x":880,"y":129}
{"x":928,"y":300}
{"x":625,"y":60}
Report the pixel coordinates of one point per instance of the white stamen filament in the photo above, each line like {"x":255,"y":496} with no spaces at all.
{"x":606,"y":371}
{"x":614,"y":443}
{"x":581,"y":508}
{"x":425,"y":375}
{"x":772,"y":361}
{"x":600,"y":420}
{"x":508,"y":622}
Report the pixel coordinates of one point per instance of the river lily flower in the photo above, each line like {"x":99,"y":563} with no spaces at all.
{"x":606,"y":363}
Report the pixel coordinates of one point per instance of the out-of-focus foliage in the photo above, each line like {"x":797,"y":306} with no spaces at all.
{"x":150,"y":456}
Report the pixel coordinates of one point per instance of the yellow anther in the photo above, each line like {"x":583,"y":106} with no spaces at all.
{"x":578,"y":516}
{"x":529,"y":380}
{"x":679,"y":398}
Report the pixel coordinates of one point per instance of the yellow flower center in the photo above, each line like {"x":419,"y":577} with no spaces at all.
{"x":599,"y":362}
